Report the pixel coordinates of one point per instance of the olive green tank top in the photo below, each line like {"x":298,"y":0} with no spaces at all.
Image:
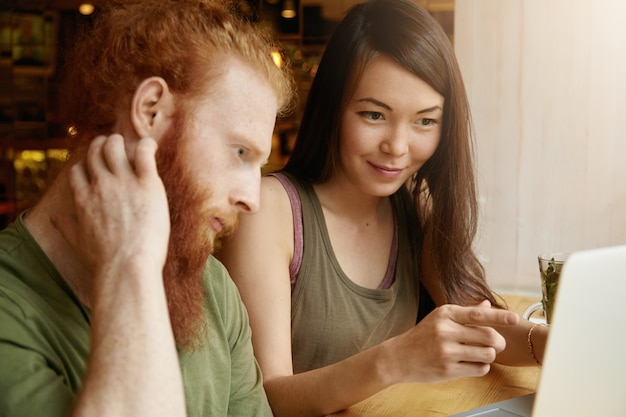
{"x":332,"y":318}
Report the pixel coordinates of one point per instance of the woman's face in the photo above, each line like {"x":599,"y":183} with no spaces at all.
{"x":391,"y":127}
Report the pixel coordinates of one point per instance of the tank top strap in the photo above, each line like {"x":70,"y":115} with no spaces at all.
{"x":298,"y":237}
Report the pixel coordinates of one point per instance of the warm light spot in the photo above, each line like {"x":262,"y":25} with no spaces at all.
{"x":288,"y":14}
{"x":289,"y":9}
{"x":59,"y":154}
{"x":37,"y":156}
{"x":277,"y":58}
{"x":86,"y":9}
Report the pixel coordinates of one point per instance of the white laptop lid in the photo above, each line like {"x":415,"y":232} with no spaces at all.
{"x":584,"y":371}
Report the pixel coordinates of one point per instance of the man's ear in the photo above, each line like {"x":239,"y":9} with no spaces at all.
{"x":151,"y":108}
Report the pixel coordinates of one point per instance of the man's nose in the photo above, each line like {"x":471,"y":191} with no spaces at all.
{"x":247,"y":196}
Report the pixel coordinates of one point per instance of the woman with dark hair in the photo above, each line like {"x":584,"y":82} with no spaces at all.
{"x":369,"y":228}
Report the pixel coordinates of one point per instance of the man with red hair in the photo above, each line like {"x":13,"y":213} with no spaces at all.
{"x":110,"y":300}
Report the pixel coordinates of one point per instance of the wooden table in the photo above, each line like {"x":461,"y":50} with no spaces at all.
{"x":445,"y":398}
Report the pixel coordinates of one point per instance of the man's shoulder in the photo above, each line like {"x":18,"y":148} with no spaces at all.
{"x":16,"y":295}
{"x":221,"y":292}
{"x":214,"y":265}
{"x":215,"y":274}
{"x":11,"y":238}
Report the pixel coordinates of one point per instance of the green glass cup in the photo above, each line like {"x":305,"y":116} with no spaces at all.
{"x":550,"y":266}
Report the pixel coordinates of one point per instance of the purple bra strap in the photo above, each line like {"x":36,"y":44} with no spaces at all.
{"x":298,"y":237}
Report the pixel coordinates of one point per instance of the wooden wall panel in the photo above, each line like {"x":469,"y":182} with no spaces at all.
{"x":547,"y":83}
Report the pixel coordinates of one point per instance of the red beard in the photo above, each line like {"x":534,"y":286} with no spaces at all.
{"x":191,"y":242}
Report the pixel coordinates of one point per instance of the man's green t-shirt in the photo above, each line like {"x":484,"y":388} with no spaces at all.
{"x":45,"y":336}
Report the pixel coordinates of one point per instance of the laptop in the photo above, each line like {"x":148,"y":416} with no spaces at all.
{"x":584,"y":370}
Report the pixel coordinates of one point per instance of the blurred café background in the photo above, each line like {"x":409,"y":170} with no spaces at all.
{"x":545,"y":80}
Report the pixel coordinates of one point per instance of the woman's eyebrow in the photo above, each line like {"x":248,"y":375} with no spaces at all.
{"x":430,"y":109}
{"x":381,"y":104}
{"x":386,"y":106}
{"x":375,"y":102}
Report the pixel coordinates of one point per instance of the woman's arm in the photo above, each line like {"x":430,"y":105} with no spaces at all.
{"x":257,"y":258}
{"x":518,"y":345}
{"x":517,"y":352}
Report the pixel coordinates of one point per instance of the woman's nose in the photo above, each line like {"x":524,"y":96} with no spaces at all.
{"x":396,"y":142}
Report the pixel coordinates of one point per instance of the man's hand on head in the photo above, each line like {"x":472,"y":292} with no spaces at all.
{"x":121,"y":212}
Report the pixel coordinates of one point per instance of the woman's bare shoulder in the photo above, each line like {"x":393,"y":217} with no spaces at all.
{"x":270,"y":228}
{"x":274,"y":199}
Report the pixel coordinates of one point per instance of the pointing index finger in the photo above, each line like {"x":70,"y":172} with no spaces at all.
{"x":481,"y":316}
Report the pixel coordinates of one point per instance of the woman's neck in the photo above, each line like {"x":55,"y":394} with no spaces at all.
{"x":344,"y":200}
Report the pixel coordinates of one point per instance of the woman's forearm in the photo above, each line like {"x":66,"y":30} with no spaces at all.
{"x":522,"y":344}
{"x":329,"y":389}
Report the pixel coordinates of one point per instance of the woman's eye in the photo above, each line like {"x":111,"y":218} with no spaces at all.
{"x":426,"y":122}
{"x":371,"y":115}
{"x":240,"y":152}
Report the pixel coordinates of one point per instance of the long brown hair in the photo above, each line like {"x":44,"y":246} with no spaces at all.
{"x":442,"y":194}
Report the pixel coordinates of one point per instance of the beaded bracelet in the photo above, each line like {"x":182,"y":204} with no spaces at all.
{"x":531,"y":348}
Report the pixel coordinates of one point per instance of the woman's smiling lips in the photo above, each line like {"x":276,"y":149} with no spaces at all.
{"x":389,"y":172}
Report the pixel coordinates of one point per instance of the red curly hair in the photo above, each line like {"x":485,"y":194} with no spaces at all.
{"x":178,"y":40}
